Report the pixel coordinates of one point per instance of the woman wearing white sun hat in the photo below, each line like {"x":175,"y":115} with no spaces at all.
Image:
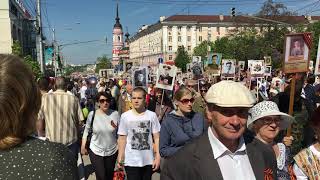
{"x":266,"y":121}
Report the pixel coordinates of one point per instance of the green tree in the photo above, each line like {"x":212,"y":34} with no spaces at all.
{"x":182,"y":59}
{"x":30,"y":62}
{"x":34,"y":65}
{"x":202,"y":49}
{"x":103,"y":62}
{"x":271,"y":8}
{"x":16,"y":48}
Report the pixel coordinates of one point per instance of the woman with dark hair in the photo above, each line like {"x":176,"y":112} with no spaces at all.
{"x":103,"y":148}
{"x":182,"y":125}
{"x":22,"y":155}
{"x":307,"y":161}
{"x":164,"y":107}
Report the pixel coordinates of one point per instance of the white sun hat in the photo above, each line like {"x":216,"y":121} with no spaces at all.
{"x":268,"y":108}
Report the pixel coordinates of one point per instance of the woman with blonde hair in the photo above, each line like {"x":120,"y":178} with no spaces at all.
{"x":181,"y":126}
{"x":23,"y":156}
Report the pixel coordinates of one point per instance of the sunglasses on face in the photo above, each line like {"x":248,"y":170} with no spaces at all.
{"x":203,"y":90}
{"x":101,"y":101}
{"x":229,"y":112}
{"x":186,"y":101}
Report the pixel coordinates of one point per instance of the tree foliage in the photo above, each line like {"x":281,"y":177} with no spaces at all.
{"x":103,"y":62}
{"x":30,"y":62}
{"x":202,"y":49}
{"x":271,"y":8}
{"x":182,"y":59}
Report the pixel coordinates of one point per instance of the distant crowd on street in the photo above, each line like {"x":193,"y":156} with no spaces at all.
{"x":204,"y":128}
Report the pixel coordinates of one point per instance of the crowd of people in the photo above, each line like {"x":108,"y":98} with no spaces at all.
{"x":207,"y":128}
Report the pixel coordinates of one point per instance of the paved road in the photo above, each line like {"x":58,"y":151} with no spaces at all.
{"x":89,"y":171}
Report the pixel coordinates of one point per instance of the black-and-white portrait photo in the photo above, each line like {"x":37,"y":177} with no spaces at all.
{"x":140,"y":77}
{"x":166,"y":76}
{"x":129,"y":66}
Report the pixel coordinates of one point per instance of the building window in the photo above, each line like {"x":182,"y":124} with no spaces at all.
{"x":170,"y":38}
{"x":179,"y":38}
{"x":170,"y":57}
{"x":218,"y":30}
{"x":179,"y":28}
{"x":189,"y":38}
{"x":200,"y":38}
{"x":189,"y":48}
{"x":169,"y":33}
{"x":200,"y":29}
{"x":188,"y":28}
{"x":170,"y":48}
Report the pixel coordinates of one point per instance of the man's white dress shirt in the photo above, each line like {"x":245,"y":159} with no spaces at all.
{"x":233,"y":166}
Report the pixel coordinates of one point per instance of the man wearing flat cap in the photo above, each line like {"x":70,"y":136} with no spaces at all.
{"x":222,"y":153}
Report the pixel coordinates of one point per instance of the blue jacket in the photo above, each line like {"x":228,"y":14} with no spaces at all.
{"x":176,"y":131}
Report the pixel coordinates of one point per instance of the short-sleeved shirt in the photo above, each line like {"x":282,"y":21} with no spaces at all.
{"x":37,"y":159}
{"x":62,"y":114}
{"x":139,"y":129}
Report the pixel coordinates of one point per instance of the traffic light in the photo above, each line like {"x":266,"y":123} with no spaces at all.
{"x":233,"y":12}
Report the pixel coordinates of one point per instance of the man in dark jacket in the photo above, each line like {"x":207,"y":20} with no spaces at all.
{"x":222,"y":153}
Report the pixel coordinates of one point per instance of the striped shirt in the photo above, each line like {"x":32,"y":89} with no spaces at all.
{"x":61,"y":113}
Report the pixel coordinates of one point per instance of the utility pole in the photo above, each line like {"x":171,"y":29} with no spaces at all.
{"x":39,"y":38}
{"x":54,"y":51}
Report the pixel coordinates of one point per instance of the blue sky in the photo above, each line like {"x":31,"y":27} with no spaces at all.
{"x":84,"y":20}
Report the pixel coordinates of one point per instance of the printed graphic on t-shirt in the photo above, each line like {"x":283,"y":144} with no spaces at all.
{"x":140,"y":137}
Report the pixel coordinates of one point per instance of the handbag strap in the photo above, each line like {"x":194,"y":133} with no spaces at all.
{"x":94,"y":113}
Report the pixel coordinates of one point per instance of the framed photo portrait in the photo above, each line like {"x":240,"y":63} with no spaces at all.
{"x":110,"y":73}
{"x":166,"y":76}
{"x":317,"y":67}
{"x":241,"y":65}
{"x":228,"y":67}
{"x":103,"y":73}
{"x":214,"y":59}
{"x":257,"y":68}
{"x":296,"y":53}
{"x":140,"y":77}
{"x":267,"y":60}
{"x":188,"y":67}
{"x":196,"y":59}
{"x":128,"y":66}
{"x":267,"y":71}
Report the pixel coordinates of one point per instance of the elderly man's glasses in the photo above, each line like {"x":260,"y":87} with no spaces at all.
{"x":186,"y":101}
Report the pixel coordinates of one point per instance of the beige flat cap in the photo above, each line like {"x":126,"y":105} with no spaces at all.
{"x":230,"y":94}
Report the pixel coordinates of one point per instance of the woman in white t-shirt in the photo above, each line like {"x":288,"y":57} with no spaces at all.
{"x":103,"y":149}
{"x":307,"y":161}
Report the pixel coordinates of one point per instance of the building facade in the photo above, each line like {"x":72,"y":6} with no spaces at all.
{"x":117,"y":40}
{"x":16,"y":23}
{"x":162,"y":39}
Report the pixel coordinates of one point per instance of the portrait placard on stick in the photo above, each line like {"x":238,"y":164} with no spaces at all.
{"x":110,"y":73}
{"x":257,"y":68}
{"x":297,"y":52}
{"x":241,"y":65}
{"x":140,"y":77}
{"x":267,"y":71}
{"x":317,"y":67}
{"x":228,"y":67}
{"x":166,"y":76}
{"x":267,"y":60}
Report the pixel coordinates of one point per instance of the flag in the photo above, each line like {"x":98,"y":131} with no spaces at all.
{"x":307,"y":39}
